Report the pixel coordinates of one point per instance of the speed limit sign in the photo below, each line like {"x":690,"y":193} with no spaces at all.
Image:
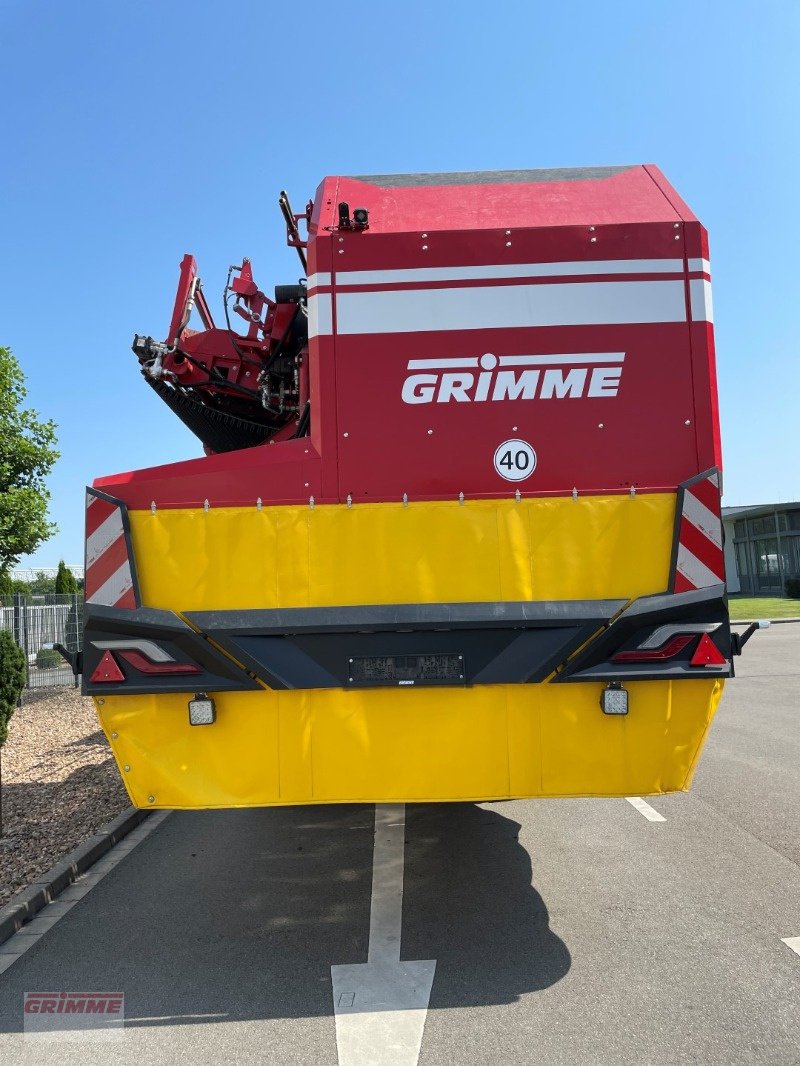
{"x":515,"y":460}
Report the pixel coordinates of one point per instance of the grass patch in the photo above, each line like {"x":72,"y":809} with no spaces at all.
{"x":748,"y":607}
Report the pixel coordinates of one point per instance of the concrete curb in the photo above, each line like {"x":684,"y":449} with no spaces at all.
{"x":29,"y":901}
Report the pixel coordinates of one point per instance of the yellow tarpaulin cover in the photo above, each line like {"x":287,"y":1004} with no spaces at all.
{"x":406,"y":744}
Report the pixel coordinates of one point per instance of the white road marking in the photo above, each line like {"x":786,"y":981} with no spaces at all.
{"x":33,"y":931}
{"x":792,"y":942}
{"x":380,"y":1006}
{"x":644,"y":808}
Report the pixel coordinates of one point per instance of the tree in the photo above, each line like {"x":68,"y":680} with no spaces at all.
{"x":42,"y":584}
{"x":12,"y":682}
{"x":6,"y":588}
{"x":66,"y":585}
{"x":27,"y":454}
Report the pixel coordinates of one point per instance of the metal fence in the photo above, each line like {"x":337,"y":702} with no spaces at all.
{"x":42,"y":621}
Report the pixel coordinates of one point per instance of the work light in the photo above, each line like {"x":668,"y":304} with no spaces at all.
{"x":202,"y":710}
{"x":614,"y":699}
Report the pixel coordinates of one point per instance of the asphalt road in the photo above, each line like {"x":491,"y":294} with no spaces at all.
{"x":563,"y":932}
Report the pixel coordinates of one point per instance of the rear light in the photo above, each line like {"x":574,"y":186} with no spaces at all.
{"x":614,"y":699}
{"x":640,"y":655}
{"x":202,"y":710}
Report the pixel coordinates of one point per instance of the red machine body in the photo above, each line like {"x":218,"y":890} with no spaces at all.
{"x":570,"y":309}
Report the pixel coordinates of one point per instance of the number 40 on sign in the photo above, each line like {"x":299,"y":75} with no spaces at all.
{"x":514,"y":460}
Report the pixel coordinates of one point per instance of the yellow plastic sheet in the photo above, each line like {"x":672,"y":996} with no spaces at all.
{"x":379,"y":745}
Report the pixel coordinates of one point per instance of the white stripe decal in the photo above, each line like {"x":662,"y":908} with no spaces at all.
{"x":703,"y":519}
{"x":508,"y":270}
{"x":441,"y":364}
{"x":115,"y":588}
{"x":103,"y":537}
{"x":701,"y":265}
{"x":510,"y":307}
{"x":320,"y":315}
{"x":315,"y":280}
{"x":700,"y":300}
{"x":693,"y":570}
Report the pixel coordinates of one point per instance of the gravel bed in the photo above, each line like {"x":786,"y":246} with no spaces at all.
{"x":60,"y":784}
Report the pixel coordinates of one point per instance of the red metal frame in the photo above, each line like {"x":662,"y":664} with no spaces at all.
{"x":627,"y":246}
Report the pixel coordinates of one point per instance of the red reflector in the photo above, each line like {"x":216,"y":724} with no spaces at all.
{"x":707,"y":653}
{"x":107,"y":670}
{"x":668,"y":651}
{"x":145,"y":666}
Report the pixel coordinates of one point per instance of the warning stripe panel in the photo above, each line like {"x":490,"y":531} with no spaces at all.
{"x":109,"y":571}
{"x":702,"y":548}
{"x":97,"y":511}
{"x":699,"y":559}
{"x":707,"y":493}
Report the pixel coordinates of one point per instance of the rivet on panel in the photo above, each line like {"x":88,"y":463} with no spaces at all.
{"x":593,"y":240}
{"x":126,"y":768}
{"x":424,"y":247}
{"x":430,"y":432}
{"x":101,"y":702}
{"x":677,"y":236}
{"x":424,"y":235}
{"x":688,"y":422}
{"x":114,"y":736}
{"x":508,"y":244}
{"x":151,"y":799}
{"x":601,"y":425}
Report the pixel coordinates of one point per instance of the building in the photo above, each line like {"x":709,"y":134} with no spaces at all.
{"x":762,"y":547}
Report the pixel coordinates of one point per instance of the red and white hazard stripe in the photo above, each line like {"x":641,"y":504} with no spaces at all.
{"x":699,"y":561}
{"x":109,"y":575}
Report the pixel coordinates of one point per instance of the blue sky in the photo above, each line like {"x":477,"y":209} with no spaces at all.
{"x":135,"y":132}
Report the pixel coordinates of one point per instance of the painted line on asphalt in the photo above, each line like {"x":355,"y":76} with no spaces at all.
{"x":644,"y":808}
{"x":380,"y":1006}
{"x":792,"y":942}
{"x":16,"y":946}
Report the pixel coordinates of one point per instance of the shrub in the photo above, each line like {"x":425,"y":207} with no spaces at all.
{"x":793,"y":587}
{"x":47,"y":658}
{"x":12,"y":679}
{"x":65,"y":580}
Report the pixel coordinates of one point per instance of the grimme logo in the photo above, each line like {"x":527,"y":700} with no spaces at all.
{"x":100,"y":1014}
{"x":514,"y":377}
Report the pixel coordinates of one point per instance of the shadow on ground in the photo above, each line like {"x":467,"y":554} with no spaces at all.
{"x":229,"y":915}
